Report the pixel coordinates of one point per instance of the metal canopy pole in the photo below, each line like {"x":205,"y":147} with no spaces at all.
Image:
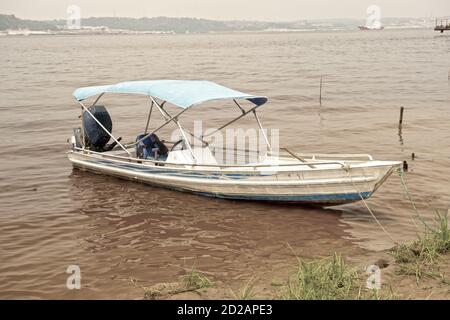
{"x":168,"y":115}
{"x":148,"y":119}
{"x":99,"y":123}
{"x":98,"y":98}
{"x":82,"y":129}
{"x":163,"y":112}
{"x":187,"y":141}
{"x":160,"y":127}
{"x":175,"y":119}
{"x":239,"y":106}
{"x":262,"y":130}
{"x":232,"y":121}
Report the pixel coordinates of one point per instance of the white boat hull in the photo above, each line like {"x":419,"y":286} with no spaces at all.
{"x":327,"y":184}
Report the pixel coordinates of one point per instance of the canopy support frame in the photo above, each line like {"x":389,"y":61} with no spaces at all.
{"x":160,"y":127}
{"x":174,"y":119}
{"x":82,"y":128}
{"x":232,"y":121}
{"x":262,"y":130}
{"x":169,"y":118}
{"x":98,"y":98}
{"x":239,"y":106}
{"x":148,"y":119}
{"x":168,"y":115}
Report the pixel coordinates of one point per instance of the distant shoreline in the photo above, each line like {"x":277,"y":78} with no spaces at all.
{"x":28,"y":33}
{"x":11,"y":25}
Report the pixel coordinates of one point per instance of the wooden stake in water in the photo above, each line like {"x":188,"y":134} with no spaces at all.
{"x":320,"y":96}
{"x":400,"y":121}
{"x":405,"y":166}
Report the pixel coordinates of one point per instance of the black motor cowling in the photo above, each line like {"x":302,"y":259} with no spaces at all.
{"x":95,"y":137}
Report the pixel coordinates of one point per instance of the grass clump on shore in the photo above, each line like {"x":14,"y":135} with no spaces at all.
{"x":192,"y":281}
{"x":196,"y":280}
{"x":247,"y":292}
{"x":324,"y":279}
{"x":420,"y":257}
{"x":330,"y":278}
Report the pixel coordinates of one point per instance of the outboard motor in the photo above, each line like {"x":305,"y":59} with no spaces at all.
{"x":95,"y":137}
{"x":151,"y":148}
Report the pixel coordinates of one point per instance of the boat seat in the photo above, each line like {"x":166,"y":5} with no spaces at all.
{"x":151,"y":148}
{"x":202,"y":156}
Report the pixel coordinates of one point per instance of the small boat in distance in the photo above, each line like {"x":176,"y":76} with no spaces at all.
{"x":370,"y":27}
{"x":272,"y":175}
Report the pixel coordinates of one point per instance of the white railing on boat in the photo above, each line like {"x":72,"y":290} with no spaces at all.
{"x":314,"y":156}
{"x":283,"y":151}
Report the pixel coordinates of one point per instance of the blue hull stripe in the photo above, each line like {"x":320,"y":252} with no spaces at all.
{"x":317,"y":198}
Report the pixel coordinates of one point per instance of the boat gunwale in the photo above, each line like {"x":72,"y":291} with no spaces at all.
{"x":268,"y":183}
{"x":224,"y":168}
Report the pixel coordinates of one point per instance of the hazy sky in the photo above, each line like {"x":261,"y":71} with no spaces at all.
{"x":269,"y":10}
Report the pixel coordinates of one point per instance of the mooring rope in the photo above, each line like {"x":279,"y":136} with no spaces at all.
{"x":402,"y":181}
{"x":418,"y":216}
{"x":347,"y":169}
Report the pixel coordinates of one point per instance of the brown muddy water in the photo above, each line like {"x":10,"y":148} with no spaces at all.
{"x":52,"y":216}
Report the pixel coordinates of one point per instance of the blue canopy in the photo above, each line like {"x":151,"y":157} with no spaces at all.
{"x":181,"y":93}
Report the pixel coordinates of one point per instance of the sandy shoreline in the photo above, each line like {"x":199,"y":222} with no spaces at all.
{"x":272,"y":284}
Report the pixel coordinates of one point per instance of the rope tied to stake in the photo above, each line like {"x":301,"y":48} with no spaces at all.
{"x":347,"y":168}
{"x":417,"y":216}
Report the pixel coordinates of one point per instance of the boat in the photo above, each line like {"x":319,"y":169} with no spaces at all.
{"x":281,"y":175}
{"x":371,"y":27}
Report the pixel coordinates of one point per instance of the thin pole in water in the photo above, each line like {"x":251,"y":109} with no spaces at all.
{"x":320,"y":96}
{"x":400,"y":121}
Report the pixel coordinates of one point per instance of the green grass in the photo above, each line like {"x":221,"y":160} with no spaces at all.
{"x":247,"y":292}
{"x":330,"y":278}
{"x":323,"y":279}
{"x":420,"y":257}
{"x":196,"y":280}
